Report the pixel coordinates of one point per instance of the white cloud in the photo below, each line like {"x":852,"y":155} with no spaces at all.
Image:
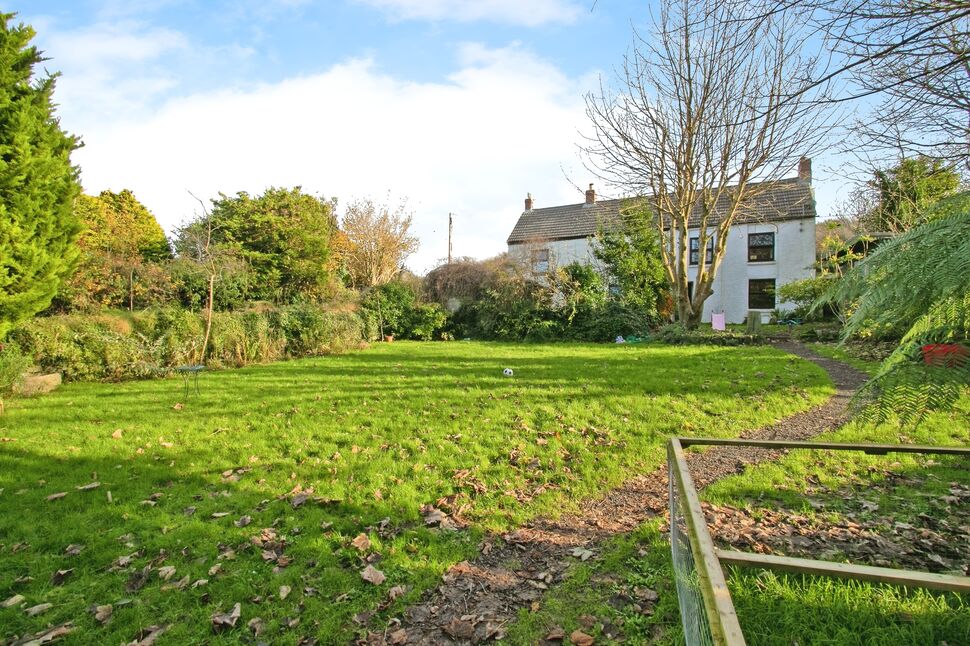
{"x":503,"y":124}
{"x":515,"y":12}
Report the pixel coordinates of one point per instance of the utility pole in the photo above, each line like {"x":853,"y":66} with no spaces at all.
{"x":450,"y":226}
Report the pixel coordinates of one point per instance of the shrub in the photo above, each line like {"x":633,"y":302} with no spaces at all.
{"x":678,"y":334}
{"x":426,"y":322}
{"x":116,"y":347}
{"x":13,"y":363}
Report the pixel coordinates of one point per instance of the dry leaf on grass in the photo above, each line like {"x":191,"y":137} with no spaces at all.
{"x":556,"y":634}
{"x":396,"y":591}
{"x":33,"y":611}
{"x":88,"y":487}
{"x":57,"y":496}
{"x":166,"y":572}
{"x":103,"y":613}
{"x":225,"y":620}
{"x":362,"y":543}
{"x":284,"y":591}
{"x":49,"y":635}
{"x":73,"y":549}
{"x":255,"y":626}
{"x":398,"y":637}
{"x":148,"y":636}
{"x":372,"y":575}
{"x":60,"y":575}
{"x":579,"y":638}
{"x":15,"y":600}
{"x":242,"y":522}
{"x":117,"y":434}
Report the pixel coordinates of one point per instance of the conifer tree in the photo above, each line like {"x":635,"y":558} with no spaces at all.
{"x":38,"y":184}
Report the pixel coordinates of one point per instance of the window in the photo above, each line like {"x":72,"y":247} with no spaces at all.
{"x":695,"y":248}
{"x":761,"y":247}
{"x":540,"y":260}
{"x":761,"y":294}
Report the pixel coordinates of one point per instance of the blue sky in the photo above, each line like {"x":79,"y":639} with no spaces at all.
{"x":456,"y":105}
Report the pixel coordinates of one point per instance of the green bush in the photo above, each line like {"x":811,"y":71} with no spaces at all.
{"x":13,"y":363}
{"x":131,"y":346}
{"x":426,"y":322}
{"x":678,"y":334}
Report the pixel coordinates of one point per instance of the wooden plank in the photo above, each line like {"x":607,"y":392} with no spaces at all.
{"x":873,"y":449}
{"x":891,"y":576}
{"x":717,"y":597}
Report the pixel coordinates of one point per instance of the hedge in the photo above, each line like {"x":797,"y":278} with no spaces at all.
{"x":119,"y":346}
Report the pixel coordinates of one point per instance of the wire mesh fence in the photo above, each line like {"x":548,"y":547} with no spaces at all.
{"x":693,"y":616}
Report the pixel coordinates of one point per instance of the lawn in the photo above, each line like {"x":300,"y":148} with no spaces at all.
{"x":255,"y":491}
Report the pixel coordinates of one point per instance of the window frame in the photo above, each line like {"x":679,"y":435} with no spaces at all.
{"x":760,"y":293}
{"x":693,"y":251}
{"x":537,"y":259}
{"x":771,"y":254}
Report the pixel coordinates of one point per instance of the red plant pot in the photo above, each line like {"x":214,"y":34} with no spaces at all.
{"x":948,"y":355}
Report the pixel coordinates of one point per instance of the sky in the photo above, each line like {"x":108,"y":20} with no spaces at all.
{"x":457,"y":106}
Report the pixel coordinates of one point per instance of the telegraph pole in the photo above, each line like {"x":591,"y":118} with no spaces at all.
{"x":450,"y":226}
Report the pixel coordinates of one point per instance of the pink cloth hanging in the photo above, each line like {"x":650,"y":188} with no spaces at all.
{"x":717,"y":321}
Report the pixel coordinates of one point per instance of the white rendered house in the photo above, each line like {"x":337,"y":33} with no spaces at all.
{"x":772,"y":243}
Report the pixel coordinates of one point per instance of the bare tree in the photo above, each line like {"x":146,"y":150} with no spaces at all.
{"x":711,"y":109}
{"x":378,"y":241}
{"x":911,"y":58}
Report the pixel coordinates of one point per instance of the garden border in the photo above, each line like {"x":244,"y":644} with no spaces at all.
{"x":709,"y":560}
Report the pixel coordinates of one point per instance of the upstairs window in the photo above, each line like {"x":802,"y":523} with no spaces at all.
{"x":761,"y":247}
{"x":761,"y":294}
{"x":540,"y":260}
{"x":695,"y":251}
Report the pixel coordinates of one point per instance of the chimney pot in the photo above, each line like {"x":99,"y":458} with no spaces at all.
{"x":528,"y":201}
{"x":805,"y":170}
{"x":590,"y":195}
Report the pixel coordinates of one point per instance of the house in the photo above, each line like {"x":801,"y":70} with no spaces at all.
{"x":772,"y":243}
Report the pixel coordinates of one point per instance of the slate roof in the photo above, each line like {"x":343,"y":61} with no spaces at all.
{"x":786,"y":199}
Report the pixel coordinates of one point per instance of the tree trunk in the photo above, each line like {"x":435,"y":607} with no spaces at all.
{"x":208,"y":317}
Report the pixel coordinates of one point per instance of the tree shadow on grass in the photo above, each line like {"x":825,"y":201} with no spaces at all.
{"x":148,"y":520}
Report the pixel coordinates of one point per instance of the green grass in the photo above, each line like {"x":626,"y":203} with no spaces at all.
{"x":375,"y":434}
{"x":834,"y":351}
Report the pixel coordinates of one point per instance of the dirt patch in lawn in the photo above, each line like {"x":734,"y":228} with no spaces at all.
{"x":477,"y":600}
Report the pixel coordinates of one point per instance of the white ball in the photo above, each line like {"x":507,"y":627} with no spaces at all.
{"x":507,"y":372}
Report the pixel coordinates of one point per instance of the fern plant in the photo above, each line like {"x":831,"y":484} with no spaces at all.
{"x":918,"y":285}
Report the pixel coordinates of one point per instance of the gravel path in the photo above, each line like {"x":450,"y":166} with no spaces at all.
{"x":477,"y":599}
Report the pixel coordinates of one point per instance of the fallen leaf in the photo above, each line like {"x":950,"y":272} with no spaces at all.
{"x":299,"y":499}
{"x":362,"y":543}
{"x":556,"y":634}
{"x":372,"y":575}
{"x":200,"y":583}
{"x":49,"y":635}
{"x":396,"y":591}
{"x":103,"y":613}
{"x":222,"y":620}
{"x":166,"y":572}
{"x":399,"y":636}
{"x":255,"y":626}
{"x":117,"y":434}
{"x":15,"y":600}
{"x":220,"y":514}
{"x":460,"y":628}
{"x":579,"y":638}
{"x":89,"y":486}
{"x":214,"y":570}
{"x":178,"y":406}
{"x":242,"y":522}
{"x":39,"y":608}
{"x":284,"y":591}
{"x":178,"y":585}
{"x":73,"y":549}
{"x":148,"y":636}
{"x":56,"y":496}
{"x":60,"y":576}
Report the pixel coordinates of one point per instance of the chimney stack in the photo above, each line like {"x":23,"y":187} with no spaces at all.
{"x":591,"y":195}
{"x":528,"y":201}
{"x":805,"y":170}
